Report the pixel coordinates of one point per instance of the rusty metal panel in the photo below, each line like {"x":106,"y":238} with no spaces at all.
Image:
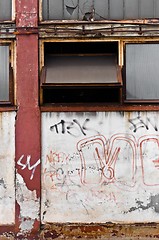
{"x":100,"y":167}
{"x":131,"y":9}
{"x":142,"y":71}
{"x":4,"y":73}
{"x":7,"y":166}
{"x":5,"y":10}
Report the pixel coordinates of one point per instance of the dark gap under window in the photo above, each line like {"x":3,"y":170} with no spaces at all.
{"x":81,"y":48}
{"x":81,"y":95}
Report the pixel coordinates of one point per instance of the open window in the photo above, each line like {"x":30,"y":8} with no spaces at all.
{"x":142,"y":72}
{"x":6,"y":75}
{"x":80,"y":72}
{"x":6,"y":10}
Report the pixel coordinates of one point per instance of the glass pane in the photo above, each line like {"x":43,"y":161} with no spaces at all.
{"x":147,"y":8}
{"x":4,"y":73}
{"x":142,"y":71}
{"x":55,"y":9}
{"x":5,"y":10}
{"x":131,"y":9}
{"x":99,"y":9}
{"x":71,"y":9}
{"x":45,"y":7}
{"x":156,"y":9}
{"x":116,"y":9}
{"x":81,"y":69}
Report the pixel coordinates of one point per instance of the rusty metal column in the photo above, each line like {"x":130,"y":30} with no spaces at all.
{"x":27,"y":122}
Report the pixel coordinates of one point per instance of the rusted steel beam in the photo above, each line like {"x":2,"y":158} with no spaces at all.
{"x":134,"y":21}
{"x":101,"y":231}
{"x":26,"y":30}
{"x":97,"y":107}
{"x":28,"y":122}
{"x":7,"y":231}
{"x":98,"y":30}
{"x":26,"y":13}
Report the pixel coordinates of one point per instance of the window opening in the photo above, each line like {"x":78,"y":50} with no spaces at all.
{"x":79,"y":72}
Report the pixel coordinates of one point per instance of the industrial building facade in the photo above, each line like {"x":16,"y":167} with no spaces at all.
{"x":79,"y":122}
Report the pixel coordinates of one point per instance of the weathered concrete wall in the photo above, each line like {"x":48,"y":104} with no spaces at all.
{"x":100,"y":167}
{"x":7,"y":168}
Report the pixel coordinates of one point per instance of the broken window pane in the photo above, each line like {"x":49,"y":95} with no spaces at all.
{"x":5,"y":10}
{"x":142,"y":71}
{"x":71,"y":9}
{"x":86,"y":9}
{"x":99,"y":9}
{"x":4,"y":73}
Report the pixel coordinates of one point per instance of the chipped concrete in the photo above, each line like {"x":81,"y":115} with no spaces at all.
{"x":7,"y":173}
{"x":28,"y":203}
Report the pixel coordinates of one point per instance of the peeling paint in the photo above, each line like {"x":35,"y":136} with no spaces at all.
{"x":7,"y":166}
{"x":28,"y":203}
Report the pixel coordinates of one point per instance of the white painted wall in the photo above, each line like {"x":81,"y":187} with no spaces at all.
{"x":7,"y":168}
{"x":100,"y":167}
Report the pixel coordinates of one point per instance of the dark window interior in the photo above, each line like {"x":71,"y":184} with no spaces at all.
{"x":81,"y":48}
{"x":81,"y":95}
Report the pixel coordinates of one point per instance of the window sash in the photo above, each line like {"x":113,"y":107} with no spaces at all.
{"x":81,"y":70}
{"x":142,"y":71}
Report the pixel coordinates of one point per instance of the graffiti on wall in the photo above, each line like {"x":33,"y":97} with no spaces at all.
{"x":96,"y":163}
{"x":27,"y":164}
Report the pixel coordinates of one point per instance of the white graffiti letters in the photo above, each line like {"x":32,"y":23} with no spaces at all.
{"x":28,"y":165}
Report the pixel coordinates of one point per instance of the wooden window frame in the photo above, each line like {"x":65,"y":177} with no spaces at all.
{"x":11,"y":75}
{"x":135,"y":101}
